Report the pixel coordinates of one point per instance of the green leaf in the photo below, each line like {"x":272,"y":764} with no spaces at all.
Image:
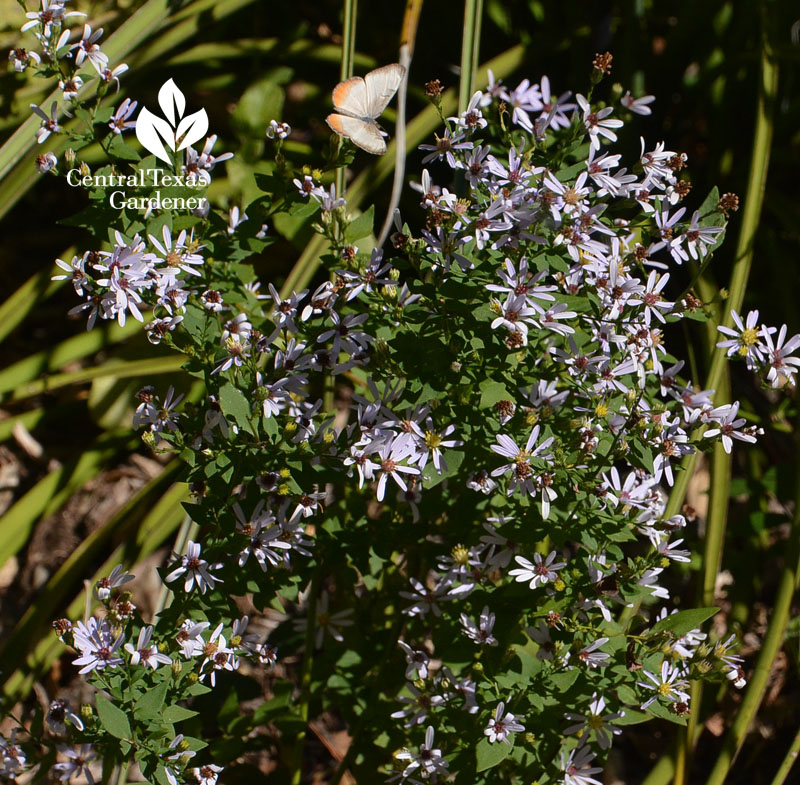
{"x":233,"y":402}
{"x":563,"y":681}
{"x":681,"y":622}
{"x":113,"y":719}
{"x":361,"y":226}
{"x":120,"y":149}
{"x":197,"y":689}
{"x":492,"y":392}
{"x":489,"y":755}
{"x":177,"y":714}
{"x":663,"y":713}
{"x":150,"y":703}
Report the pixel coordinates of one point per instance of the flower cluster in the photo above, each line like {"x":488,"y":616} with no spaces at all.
{"x":756,"y":345}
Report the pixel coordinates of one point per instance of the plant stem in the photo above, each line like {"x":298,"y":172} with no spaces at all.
{"x":305,"y":674}
{"x":470,"y":44}
{"x":788,"y":762}
{"x":346,"y":70}
{"x":753,"y":203}
{"x":769,"y":651}
{"x":408,"y":37}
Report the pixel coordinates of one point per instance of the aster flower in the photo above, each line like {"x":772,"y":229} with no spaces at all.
{"x":589,"y":655}
{"x":145,"y":654}
{"x":49,"y":122}
{"x":12,"y":757}
{"x":207,"y":775}
{"x":667,"y":685}
{"x":782,"y":365}
{"x":59,"y":714}
{"x":576,"y":767}
{"x":502,"y":724}
{"x":594,"y":720}
{"x":88,"y":48}
{"x":117,"y":578}
{"x":638,"y":105}
{"x":98,"y":646}
{"x":538,"y":572}
{"x":121,"y":119}
{"x":325,"y":621}
{"x":77,"y":763}
{"x":597,"y":123}
{"x":193,"y":569}
{"x":428,"y":762}
{"x":416,"y":659}
{"x":480,"y":633}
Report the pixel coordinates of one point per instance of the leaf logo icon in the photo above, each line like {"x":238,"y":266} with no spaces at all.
{"x":176,"y":132}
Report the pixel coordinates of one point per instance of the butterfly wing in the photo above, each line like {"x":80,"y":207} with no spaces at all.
{"x":351,"y":97}
{"x":381,"y":84}
{"x":361,"y":132}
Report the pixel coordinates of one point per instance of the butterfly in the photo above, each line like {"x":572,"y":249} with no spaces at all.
{"x":360,"y":101}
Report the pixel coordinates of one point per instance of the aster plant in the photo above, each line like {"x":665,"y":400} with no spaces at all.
{"x":442,"y":471}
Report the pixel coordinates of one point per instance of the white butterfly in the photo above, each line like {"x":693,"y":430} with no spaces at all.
{"x":360,"y":101}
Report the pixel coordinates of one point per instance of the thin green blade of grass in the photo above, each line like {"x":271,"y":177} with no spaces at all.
{"x":470,"y":47}
{"x":69,"y":350}
{"x":144,"y":368}
{"x":247,"y":47}
{"x":32,"y":293}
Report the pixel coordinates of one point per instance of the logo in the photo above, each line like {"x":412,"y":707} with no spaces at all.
{"x":176,"y":131}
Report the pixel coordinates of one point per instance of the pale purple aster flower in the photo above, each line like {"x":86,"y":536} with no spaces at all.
{"x":778,"y":356}
{"x":145,"y":654}
{"x":117,"y":578}
{"x":97,"y":644}
{"x":637,"y":105}
{"x":589,"y":656}
{"x":207,"y":775}
{"x":596,"y":123}
{"x":59,"y":714}
{"x":121,"y":119}
{"x":88,"y":48}
{"x":596,"y":721}
{"x":502,"y":724}
{"x":668,"y":685}
{"x":194,"y":570}
{"x":538,"y":572}
{"x":49,"y":122}
{"x":727,"y":426}
{"x":77,"y":763}
{"x":428,"y":761}
{"x":425,"y":599}
{"x":416,"y":659}
{"x":480,"y":633}
{"x":576,"y":769}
